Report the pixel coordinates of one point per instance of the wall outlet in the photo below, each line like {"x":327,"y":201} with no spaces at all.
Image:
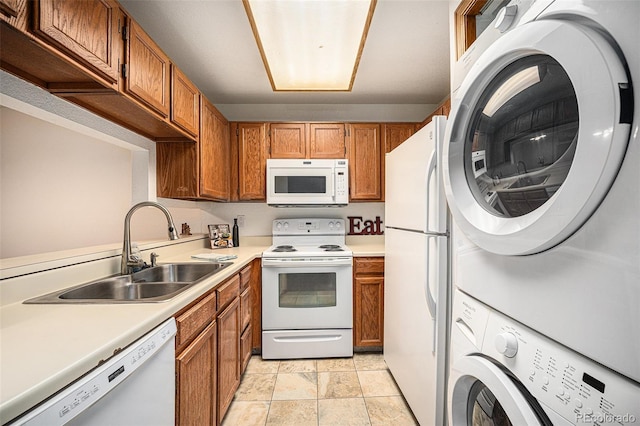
{"x":240,"y":220}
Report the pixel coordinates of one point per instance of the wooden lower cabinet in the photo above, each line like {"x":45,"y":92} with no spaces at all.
{"x":213,"y":347}
{"x":228,"y":356}
{"x":196,"y":377}
{"x":368,"y":297}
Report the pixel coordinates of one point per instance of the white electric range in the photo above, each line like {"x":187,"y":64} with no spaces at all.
{"x":307,"y":300}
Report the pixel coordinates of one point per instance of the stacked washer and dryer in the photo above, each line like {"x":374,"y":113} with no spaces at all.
{"x":542,"y":177}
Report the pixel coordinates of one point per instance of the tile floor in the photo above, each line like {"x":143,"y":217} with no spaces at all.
{"x":335,"y":391}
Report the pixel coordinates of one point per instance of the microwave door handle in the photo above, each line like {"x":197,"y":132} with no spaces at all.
{"x":333,"y":186}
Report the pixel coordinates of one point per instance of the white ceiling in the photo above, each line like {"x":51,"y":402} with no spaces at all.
{"x":405,"y":59}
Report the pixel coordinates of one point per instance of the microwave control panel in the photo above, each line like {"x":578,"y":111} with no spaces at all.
{"x":342,"y":181}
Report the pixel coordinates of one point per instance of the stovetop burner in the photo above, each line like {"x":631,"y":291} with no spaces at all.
{"x":331,"y":247}
{"x":284,"y":248}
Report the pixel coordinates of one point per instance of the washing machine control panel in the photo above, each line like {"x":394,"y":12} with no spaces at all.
{"x":578,"y":389}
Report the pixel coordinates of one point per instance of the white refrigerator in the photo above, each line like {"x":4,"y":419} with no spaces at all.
{"x":416,"y":290}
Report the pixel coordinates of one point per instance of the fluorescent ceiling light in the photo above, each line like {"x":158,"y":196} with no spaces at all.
{"x":310,"y":45}
{"x":514,"y":85}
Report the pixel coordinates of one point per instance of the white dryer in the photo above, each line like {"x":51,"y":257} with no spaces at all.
{"x":542,"y":178}
{"x":503,"y":373}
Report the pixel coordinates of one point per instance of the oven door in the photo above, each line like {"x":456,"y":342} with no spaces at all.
{"x":307,"y":293}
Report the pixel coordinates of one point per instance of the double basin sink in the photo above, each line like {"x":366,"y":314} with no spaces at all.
{"x":154,"y":284}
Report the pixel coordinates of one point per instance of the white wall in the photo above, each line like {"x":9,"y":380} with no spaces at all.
{"x":59,"y":188}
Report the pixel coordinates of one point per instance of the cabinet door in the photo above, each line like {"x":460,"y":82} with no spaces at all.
{"x":365,"y":166}
{"x":368,"y":293}
{"x":86,"y":30}
{"x":196,"y":380}
{"x":177,"y":169}
{"x":326,"y":140}
{"x":369,"y":296}
{"x":252,"y":163}
{"x":245,"y":348}
{"x":393,"y":134}
{"x":228,"y":356}
{"x":396,"y":133}
{"x":287,"y":140}
{"x":185,"y":102}
{"x":214,"y":153}
{"x":9,"y":7}
{"x":147,"y":76}
{"x":245,"y":309}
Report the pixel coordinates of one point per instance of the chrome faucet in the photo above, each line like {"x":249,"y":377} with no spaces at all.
{"x":524,"y":166}
{"x":128,"y":261}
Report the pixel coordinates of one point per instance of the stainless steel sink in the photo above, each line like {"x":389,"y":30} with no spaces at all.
{"x":528,"y":181}
{"x":155,"y":284}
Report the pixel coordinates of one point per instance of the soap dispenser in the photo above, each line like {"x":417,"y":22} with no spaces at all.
{"x":235,"y":236}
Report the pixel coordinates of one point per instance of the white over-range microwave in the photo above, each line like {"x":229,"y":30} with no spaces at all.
{"x":299,"y":182}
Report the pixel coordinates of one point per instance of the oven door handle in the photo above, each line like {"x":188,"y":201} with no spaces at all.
{"x":307,"y":262}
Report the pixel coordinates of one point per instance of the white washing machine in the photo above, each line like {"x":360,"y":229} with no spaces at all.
{"x":542,"y":177}
{"x":503,"y":373}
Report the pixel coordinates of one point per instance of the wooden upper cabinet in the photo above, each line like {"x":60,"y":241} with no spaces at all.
{"x":365,"y":158}
{"x":443,"y":109}
{"x":214,"y":153}
{"x":9,"y":7}
{"x":86,"y":30}
{"x":287,"y":140}
{"x":252,"y":161}
{"x":177,"y":170}
{"x":394,"y":134}
{"x":147,"y":71}
{"x":326,"y":140}
{"x":185,"y":102}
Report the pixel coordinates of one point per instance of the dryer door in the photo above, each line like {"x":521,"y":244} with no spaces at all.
{"x":482,"y":394}
{"x":536,"y":136}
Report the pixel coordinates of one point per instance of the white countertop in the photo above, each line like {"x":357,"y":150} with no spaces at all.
{"x":43,"y":348}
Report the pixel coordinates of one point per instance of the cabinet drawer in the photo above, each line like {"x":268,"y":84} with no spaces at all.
{"x":191,"y":322}
{"x":245,"y":278}
{"x":369,"y":265}
{"x":228,"y":291}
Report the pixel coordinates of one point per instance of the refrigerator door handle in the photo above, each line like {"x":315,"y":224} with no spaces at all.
{"x":430,"y":172}
{"x":431,"y":302}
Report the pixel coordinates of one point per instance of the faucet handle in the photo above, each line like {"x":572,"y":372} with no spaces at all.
{"x":154,"y":257}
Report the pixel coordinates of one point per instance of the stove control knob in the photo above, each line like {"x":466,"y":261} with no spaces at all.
{"x":338,"y":225}
{"x":286,"y":225}
{"x":278,"y":226}
{"x":507,"y":344}
{"x":331,"y":225}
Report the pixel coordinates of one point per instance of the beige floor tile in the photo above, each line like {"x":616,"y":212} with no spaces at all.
{"x":335,"y":364}
{"x":302,"y":413}
{"x":378,"y":383}
{"x":338,"y":384}
{"x":343,"y":412}
{"x":296,"y":386}
{"x":369,"y":362}
{"x":247,"y":413}
{"x":256,"y":387}
{"x":259,"y":365}
{"x":389,"y":410}
{"x":297,"y":366}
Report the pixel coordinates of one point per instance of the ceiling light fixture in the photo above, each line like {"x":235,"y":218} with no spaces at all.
{"x":310,"y":45}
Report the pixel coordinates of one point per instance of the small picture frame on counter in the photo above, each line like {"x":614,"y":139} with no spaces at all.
{"x":220,"y":236}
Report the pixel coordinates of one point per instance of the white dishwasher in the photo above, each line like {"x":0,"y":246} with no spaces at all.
{"x":134,"y":387}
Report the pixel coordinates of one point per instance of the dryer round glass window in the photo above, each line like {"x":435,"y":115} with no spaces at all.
{"x":522,"y":137}
{"x":534,"y":140}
